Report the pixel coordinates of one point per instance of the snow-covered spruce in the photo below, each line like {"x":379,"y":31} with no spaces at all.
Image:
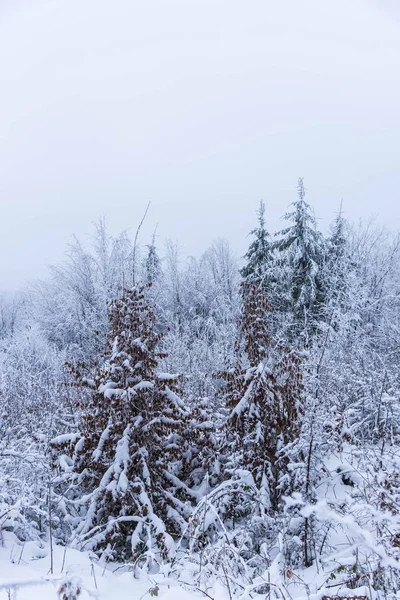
{"x":121,"y":477}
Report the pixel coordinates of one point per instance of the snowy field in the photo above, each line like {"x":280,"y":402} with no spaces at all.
{"x":25,"y":574}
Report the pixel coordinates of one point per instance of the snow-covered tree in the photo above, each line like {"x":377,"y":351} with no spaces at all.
{"x":264,"y":396}
{"x":152,"y":262}
{"x":338,"y":271}
{"x":198,"y":303}
{"x":123,"y":463}
{"x":71,"y":305}
{"x":304,"y":254}
{"x":258,"y":255}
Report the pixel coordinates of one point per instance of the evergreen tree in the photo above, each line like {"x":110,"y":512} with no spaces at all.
{"x":152,"y":263}
{"x":339,"y":266}
{"x":304,"y":255}
{"x":258,"y":255}
{"x":125,"y":462}
{"x":337,"y":242}
{"x":263,"y":394}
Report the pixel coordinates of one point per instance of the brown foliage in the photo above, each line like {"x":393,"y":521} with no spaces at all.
{"x":264,"y":397}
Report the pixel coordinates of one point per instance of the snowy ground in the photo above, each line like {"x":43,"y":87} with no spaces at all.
{"x":25,"y":575}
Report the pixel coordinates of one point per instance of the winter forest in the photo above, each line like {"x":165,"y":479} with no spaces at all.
{"x":214,"y":427}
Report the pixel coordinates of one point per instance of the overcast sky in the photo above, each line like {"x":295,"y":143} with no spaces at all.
{"x":203,"y":107}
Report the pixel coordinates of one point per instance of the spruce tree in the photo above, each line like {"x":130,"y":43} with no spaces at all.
{"x":337,"y":242}
{"x":152,"y":263}
{"x":125,"y":462}
{"x":339,"y":266}
{"x":258,"y":255}
{"x":304,"y":254}
{"x":264,"y":396}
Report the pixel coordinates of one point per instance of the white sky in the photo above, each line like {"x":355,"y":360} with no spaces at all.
{"x":201,"y":106}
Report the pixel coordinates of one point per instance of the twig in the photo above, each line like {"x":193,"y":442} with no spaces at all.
{"x":22,"y":551}
{"x":63,"y":560}
{"x":227,"y":582}
{"x":135,"y":244}
{"x":94,"y":576}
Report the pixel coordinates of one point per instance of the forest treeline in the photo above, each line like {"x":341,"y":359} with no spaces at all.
{"x":235,"y":418}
